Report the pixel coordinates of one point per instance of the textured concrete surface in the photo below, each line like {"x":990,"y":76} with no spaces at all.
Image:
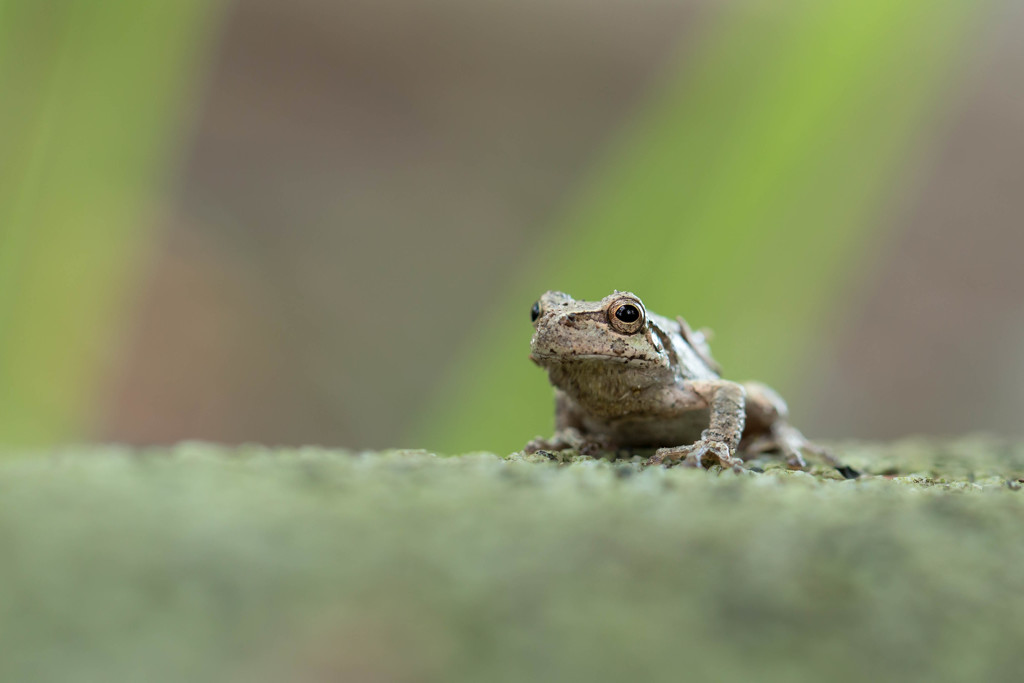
{"x":202,"y":563}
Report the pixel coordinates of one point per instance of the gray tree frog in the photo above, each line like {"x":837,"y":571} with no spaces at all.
{"x":629,"y":378}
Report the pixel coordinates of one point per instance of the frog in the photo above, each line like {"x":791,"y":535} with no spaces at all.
{"x":626,"y":378}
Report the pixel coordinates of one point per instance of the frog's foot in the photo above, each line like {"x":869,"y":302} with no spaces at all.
{"x":791,"y":443}
{"x":700,"y":455}
{"x":566,"y":439}
{"x":595,"y":447}
{"x":824,"y":453}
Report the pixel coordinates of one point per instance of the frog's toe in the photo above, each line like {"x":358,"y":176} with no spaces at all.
{"x":595,"y":447}
{"x":796,"y":461}
{"x":709,"y":453}
{"x":699,"y":456}
{"x":562,"y":439}
{"x":693,"y":460}
{"x":537,"y":444}
{"x":655,"y":460}
{"x":671,"y":456}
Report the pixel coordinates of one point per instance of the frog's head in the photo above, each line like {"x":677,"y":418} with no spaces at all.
{"x":612,"y":334}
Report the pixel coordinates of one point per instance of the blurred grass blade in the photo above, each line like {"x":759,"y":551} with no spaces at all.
{"x":91,"y":101}
{"x":743,"y":199}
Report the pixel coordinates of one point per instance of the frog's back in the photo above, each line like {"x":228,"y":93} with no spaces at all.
{"x":690,"y":353}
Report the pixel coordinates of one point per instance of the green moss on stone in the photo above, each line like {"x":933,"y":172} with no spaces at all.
{"x":204,"y":563}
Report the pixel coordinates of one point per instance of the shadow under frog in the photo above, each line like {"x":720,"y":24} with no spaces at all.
{"x":629,"y":378}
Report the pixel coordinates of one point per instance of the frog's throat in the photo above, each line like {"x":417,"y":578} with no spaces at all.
{"x":593,"y":375}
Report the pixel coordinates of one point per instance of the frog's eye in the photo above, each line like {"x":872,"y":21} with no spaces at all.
{"x":626,"y":315}
{"x":535,"y":312}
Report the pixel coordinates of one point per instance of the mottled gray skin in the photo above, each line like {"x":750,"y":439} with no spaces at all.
{"x":650,"y":383}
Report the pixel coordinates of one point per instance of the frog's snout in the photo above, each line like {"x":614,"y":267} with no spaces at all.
{"x":544,"y":346}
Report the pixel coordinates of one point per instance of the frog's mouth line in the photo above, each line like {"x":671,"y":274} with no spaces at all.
{"x":565,"y":358}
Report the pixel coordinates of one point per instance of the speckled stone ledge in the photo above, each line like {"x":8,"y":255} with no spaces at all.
{"x":970,"y":463}
{"x":208,"y":563}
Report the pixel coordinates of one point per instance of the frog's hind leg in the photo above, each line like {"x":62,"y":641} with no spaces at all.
{"x":768,"y":429}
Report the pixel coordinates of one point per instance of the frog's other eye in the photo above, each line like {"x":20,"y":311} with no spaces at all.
{"x":535,"y":312}
{"x":626,"y":316}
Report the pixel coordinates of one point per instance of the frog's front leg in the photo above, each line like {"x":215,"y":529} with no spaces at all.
{"x":569,"y":438}
{"x":560,"y":440}
{"x":719,"y":441}
{"x":569,"y":431}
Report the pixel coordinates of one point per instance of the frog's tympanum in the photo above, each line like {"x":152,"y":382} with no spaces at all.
{"x":627,"y":378}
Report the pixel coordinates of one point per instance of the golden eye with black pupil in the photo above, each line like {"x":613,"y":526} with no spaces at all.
{"x":535,"y":312}
{"x":626,"y":316}
{"x":627,"y":313}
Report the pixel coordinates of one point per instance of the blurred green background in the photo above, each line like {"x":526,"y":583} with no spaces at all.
{"x":318,"y":222}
